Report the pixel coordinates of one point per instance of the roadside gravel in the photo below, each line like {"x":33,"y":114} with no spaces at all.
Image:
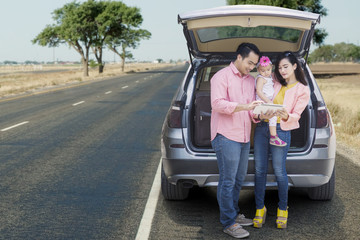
{"x":352,"y":154}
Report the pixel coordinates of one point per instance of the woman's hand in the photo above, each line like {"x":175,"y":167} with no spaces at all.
{"x":267,"y":115}
{"x":283,"y":114}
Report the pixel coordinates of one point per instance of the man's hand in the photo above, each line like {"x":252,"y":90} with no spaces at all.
{"x":252,"y":105}
{"x":247,"y":107}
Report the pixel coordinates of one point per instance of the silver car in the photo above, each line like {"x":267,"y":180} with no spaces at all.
{"x":213,"y":36}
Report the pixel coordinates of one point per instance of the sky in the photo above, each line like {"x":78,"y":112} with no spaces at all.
{"x":22,"y":20}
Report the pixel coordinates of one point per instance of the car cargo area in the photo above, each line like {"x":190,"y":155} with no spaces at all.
{"x":199,"y":128}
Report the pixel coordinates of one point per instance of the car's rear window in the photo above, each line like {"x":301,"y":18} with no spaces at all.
{"x":278,"y":33}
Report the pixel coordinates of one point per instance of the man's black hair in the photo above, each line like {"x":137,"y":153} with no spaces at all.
{"x":244,"y":49}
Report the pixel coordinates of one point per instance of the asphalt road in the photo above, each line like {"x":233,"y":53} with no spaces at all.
{"x":79,"y":163}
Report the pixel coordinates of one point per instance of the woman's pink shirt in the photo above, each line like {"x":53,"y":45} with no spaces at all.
{"x":228,"y":89}
{"x":296,"y":99}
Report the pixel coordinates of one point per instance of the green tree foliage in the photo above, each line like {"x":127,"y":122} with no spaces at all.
{"x":8,"y":62}
{"x":129,"y":39}
{"x":340,"y":52}
{"x":302,"y":5}
{"x":87,"y":26}
{"x":324,"y":54}
{"x":74,"y":26}
{"x":93,"y":64}
{"x":116,"y":22}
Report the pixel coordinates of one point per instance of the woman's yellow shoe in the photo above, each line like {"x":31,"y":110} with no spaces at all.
{"x":282,"y":217}
{"x":260,"y":217}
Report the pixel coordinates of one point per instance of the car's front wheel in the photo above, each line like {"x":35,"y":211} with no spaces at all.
{"x":324,"y":192}
{"x":172,"y":192}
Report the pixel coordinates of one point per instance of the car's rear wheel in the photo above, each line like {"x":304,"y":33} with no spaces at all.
{"x":173,"y":192}
{"x":324,"y":192}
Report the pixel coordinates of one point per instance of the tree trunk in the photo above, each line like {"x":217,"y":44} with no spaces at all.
{"x":86,"y":61}
{"x":84,"y":56}
{"x":101,"y":68}
{"x":122,"y":64}
{"x":98,"y":56}
{"x":85,"y":67}
{"x":123,"y":57}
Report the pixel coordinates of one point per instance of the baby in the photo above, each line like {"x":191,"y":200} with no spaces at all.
{"x":265,"y":92}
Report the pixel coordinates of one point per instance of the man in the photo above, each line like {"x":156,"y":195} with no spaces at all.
{"x":232,"y":98}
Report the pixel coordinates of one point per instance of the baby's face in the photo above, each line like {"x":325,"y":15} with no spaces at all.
{"x":265,"y":71}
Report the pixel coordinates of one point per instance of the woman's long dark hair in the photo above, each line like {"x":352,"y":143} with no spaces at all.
{"x":299,"y":73}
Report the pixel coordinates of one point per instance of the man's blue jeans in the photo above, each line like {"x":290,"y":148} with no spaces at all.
{"x":262,"y":148}
{"x":232,"y":158}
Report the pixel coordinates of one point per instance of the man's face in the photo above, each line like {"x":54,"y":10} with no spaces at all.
{"x":245,"y":65}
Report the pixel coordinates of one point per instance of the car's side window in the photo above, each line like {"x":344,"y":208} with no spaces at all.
{"x":208,"y":73}
{"x":205,"y":81}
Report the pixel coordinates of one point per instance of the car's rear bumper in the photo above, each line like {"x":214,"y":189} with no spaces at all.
{"x":300,"y":180}
{"x":308,"y":170}
{"x":311,"y":168}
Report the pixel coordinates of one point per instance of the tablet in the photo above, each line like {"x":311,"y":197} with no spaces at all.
{"x":267,"y":106}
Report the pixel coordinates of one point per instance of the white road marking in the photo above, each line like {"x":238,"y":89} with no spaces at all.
{"x":75,"y":104}
{"x":125,"y":87}
{"x":108,"y":92}
{"x":14,"y":126}
{"x":150,"y":207}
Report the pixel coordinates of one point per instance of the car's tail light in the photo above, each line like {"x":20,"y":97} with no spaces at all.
{"x":175,"y":114}
{"x":322,"y":116}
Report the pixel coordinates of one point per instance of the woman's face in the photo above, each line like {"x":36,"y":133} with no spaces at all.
{"x":286,"y":69}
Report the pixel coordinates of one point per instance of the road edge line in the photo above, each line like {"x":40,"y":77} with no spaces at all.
{"x":150,"y":207}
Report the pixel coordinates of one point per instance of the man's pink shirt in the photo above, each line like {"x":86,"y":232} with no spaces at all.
{"x":228,"y":89}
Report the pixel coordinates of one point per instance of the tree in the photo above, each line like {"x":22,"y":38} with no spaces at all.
{"x":103,"y":28}
{"x":88,"y":26}
{"x":8,"y":62}
{"x":324,"y":53}
{"x":340,"y":52}
{"x":302,"y":5}
{"x":74,"y":27}
{"x":129,"y":39}
{"x":129,"y":36}
{"x":115,"y":21}
{"x":344,"y":52}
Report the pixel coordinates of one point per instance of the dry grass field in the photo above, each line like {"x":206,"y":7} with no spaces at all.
{"x":24,"y":79}
{"x":340,"y":86}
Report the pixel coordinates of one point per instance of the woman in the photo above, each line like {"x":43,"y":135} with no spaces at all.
{"x":291,"y":90}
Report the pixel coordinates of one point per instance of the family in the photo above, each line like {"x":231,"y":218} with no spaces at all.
{"x":234,"y":94}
